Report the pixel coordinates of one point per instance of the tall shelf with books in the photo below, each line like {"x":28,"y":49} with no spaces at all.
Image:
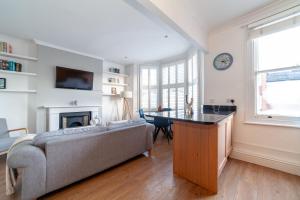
{"x":15,"y":73}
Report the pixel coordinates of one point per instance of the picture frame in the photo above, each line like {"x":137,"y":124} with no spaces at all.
{"x":2,"y":83}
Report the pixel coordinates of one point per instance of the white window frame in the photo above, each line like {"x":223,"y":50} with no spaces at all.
{"x":173,"y":85}
{"x":149,"y":67}
{"x":251,"y":116}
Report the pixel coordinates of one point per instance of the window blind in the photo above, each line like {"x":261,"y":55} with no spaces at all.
{"x":259,"y":30}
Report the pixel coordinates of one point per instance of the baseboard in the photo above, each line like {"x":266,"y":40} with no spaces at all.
{"x":285,"y":165}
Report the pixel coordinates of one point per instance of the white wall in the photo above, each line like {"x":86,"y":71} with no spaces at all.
{"x":48,"y":95}
{"x":276,"y":147}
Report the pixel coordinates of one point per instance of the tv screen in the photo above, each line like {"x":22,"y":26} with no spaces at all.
{"x":74,"y":79}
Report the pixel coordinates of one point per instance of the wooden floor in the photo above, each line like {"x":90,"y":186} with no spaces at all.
{"x":152,"y":178}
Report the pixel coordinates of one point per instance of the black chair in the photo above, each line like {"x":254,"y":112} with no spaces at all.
{"x":170,"y":121}
{"x":142,"y":115}
{"x":163,"y":124}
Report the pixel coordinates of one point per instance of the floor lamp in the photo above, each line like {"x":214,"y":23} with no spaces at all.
{"x":125,"y":95}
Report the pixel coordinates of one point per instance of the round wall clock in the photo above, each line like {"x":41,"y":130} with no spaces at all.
{"x":223,"y":61}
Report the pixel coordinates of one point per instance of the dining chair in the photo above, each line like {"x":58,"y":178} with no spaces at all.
{"x":170,"y":121}
{"x":142,"y":115}
{"x":5,"y":140}
{"x":163,"y":124}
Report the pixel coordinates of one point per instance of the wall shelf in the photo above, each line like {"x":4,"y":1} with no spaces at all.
{"x":17,"y":91}
{"x":11,"y":55}
{"x":116,"y":74}
{"x":17,"y":73}
{"x":111,"y":95}
{"x":115,"y":84}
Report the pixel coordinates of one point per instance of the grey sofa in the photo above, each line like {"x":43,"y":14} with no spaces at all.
{"x":56,"y":159}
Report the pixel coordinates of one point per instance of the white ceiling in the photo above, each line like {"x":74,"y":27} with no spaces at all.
{"x":112,"y":29}
{"x":106,"y":28}
{"x":213,"y":13}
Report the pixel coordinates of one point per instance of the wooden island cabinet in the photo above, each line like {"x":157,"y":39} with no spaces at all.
{"x":200,"y":151}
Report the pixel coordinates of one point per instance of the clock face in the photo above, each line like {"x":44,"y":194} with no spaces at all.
{"x":223,"y":61}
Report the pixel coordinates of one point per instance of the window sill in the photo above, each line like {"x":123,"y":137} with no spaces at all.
{"x":289,"y":124}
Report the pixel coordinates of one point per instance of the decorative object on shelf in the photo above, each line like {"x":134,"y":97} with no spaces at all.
{"x":126,"y":109}
{"x":114,"y":70}
{"x":188,"y":106}
{"x":74,"y":103}
{"x":2,"y":83}
{"x":96,"y":121}
{"x":223,"y":61}
{"x":113,"y":90}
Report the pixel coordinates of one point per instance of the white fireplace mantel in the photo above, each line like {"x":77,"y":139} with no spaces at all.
{"x":54,"y":111}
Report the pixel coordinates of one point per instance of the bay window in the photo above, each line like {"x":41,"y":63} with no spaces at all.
{"x":148,"y":88}
{"x":173,"y":80}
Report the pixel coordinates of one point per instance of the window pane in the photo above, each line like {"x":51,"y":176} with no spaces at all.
{"x":190,"y":71}
{"x":195,"y":97}
{"x":195,"y":68}
{"x":153,"y":98}
{"x":278,"y":93}
{"x":165,"y":75}
{"x":144,"y":77}
{"x":144,"y":99}
{"x":165,"y":98}
{"x":279,"y":50}
{"x":173,"y":98}
{"x":153,"y":77}
{"x":180,"y":98}
{"x":180,"y":73}
{"x":172,"y":74}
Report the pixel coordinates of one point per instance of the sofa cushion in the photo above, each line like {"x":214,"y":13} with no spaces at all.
{"x":41,"y":139}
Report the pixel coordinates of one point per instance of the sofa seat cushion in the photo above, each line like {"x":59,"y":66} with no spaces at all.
{"x":5,"y":143}
{"x":41,"y":139}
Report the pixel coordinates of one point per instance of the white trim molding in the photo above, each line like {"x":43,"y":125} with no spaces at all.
{"x":269,"y":157}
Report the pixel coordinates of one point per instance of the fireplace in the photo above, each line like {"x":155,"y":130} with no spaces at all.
{"x":74,"y":119}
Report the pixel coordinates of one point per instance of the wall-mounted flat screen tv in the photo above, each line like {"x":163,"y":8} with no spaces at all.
{"x":74,"y":79}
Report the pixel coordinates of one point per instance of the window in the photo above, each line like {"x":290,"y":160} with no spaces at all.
{"x":276,"y":71}
{"x":193,"y":80}
{"x":173,"y":76}
{"x":148,"y":88}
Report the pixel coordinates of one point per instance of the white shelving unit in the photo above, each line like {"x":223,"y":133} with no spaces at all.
{"x":116,"y":74}
{"x":111,"y":95}
{"x":115,"y":84}
{"x":11,"y":55}
{"x":17,"y":91}
{"x":17,"y":80}
{"x":18,"y":73}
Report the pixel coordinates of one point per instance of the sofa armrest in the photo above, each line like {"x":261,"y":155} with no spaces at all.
{"x":32,"y":162}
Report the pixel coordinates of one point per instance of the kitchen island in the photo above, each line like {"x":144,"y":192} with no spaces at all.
{"x":202,"y":143}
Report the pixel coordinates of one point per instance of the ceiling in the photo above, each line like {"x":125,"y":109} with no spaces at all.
{"x":213,"y":13}
{"x":110,"y":29}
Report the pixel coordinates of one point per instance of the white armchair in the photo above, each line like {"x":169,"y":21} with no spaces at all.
{"x":5,"y":140}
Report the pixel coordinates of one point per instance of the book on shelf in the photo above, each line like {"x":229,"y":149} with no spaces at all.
{"x":10,"y":65}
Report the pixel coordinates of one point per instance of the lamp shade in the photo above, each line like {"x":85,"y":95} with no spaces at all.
{"x":126,"y":94}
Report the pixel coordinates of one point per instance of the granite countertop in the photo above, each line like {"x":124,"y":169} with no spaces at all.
{"x":207,"y":115}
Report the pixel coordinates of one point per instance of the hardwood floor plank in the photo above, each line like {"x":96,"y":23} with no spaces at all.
{"x":144,"y":178}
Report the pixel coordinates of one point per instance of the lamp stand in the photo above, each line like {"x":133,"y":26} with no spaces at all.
{"x":126,"y":110}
